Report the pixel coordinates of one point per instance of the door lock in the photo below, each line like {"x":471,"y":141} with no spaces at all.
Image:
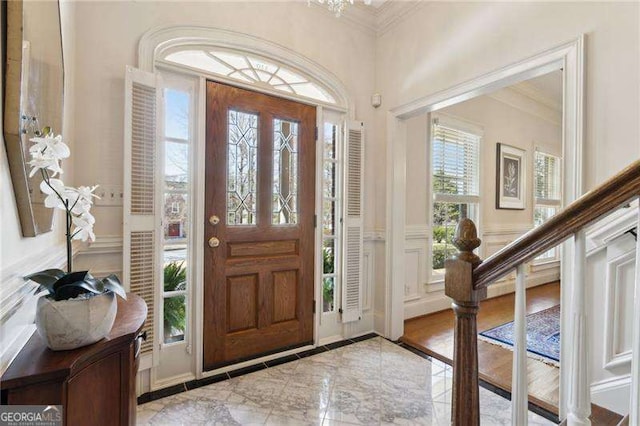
{"x":214,"y":220}
{"x":214,"y":242}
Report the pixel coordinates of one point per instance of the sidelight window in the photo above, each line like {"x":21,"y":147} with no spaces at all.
{"x":176,"y":212}
{"x":330,"y":217}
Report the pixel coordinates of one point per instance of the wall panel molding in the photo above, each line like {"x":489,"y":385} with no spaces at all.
{"x":619,"y":290}
{"x":603,"y":232}
{"x":18,"y":299}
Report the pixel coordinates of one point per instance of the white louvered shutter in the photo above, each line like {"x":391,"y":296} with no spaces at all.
{"x":353,"y":224}
{"x":141,"y":205}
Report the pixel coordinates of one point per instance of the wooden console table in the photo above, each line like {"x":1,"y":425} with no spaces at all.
{"x":96,"y":384}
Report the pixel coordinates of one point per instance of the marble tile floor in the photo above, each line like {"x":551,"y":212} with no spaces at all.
{"x":373,"y":382}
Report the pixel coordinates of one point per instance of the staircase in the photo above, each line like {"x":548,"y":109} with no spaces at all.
{"x":467,"y":278}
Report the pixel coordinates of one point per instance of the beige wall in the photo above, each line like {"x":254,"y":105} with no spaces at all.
{"x":107,"y":40}
{"x":442,"y":44}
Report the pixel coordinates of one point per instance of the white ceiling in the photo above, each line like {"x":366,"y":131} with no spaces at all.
{"x":549,"y":86}
{"x":546,"y":89}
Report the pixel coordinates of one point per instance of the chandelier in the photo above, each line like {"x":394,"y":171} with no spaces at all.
{"x":337,"y":6}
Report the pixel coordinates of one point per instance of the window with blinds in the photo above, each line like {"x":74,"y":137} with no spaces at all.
{"x":455,"y":158}
{"x":455,"y":161}
{"x":547,"y":179}
{"x":547,"y":193}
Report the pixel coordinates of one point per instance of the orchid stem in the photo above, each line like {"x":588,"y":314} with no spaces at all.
{"x":69,"y":237}
{"x":46,"y":178}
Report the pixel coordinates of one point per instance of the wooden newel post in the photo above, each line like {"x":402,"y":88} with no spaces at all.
{"x":459,"y":286}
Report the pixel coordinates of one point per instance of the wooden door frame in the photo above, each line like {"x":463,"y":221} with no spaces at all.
{"x":198,"y":232}
{"x":568,"y":56}
{"x":153,"y":45}
{"x":223,"y":344}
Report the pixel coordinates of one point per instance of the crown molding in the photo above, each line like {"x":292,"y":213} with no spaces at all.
{"x":357,"y":15}
{"x":374,"y":20}
{"x":393,"y":12}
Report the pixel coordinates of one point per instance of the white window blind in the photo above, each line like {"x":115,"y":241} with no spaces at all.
{"x":455,"y":158}
{"x":547,"y":189}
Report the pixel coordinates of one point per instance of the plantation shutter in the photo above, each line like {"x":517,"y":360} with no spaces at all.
{"x":141,"y":211}
{"x":547,"y":190}
{"x":455,"y":163}
{"x":353,"y":224}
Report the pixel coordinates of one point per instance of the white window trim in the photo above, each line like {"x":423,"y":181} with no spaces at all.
{"x":467,"y":126}
{"x":544,"y":202}
{"x":189,"y":85}
{"x":339,"y":121}
{"x":157,"y":42}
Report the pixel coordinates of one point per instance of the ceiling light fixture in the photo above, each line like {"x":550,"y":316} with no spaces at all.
{"x":337,"y":6}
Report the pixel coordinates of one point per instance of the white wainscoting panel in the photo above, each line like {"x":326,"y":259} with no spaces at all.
{"x":416,"y":240}
{"x":619,"y":293}
{"x":423,"y":296}
{"x":368,"y":282}
{"x":18,"y":300}
{"x":102,"y":257}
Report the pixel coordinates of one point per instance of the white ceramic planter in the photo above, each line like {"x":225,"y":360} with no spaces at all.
{"x":70,"y":324}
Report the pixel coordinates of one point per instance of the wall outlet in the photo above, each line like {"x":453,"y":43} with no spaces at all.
{"x":110,"y":195}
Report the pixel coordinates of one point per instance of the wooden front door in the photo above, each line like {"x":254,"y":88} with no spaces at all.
{"x":259,"y":238}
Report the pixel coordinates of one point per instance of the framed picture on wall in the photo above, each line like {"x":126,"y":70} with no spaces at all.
{"x":511,"y":172}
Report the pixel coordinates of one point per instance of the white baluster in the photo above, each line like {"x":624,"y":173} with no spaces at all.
{"x":519,"y":391}
{"x":579,"y":401}
{"x":634,"y":405}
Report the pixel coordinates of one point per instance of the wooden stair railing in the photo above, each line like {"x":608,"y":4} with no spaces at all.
{"x":467,"y":278}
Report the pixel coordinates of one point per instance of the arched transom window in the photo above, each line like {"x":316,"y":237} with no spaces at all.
{"x":252,"y":69}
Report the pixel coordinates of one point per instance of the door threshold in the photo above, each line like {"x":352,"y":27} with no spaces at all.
{"x":247,"y":367}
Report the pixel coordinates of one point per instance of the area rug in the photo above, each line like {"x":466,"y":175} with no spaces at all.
{"x":543,"y":335}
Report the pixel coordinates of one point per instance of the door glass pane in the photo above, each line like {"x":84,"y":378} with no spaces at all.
{"x":175,"y":314}
{"x":328,"y":257}
{"x":176,"y":114}
{"x":329,"y":186}
{"x":328,"y":293}
{"x":330,"y":138}
{"x":328,"y":217}
{"x":285,"y":172}
{"x":242,"y":157}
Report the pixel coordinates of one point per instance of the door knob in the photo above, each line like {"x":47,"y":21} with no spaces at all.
{"x":214,"y":242}
{"x":214,"y":220}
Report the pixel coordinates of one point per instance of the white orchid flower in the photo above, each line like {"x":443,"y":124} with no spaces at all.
{"x":40,"y":161}
{"x":51,"y":146}
{"x":46,"y":153}
{"x":84,"y":227}
{"x":54,"y":190}
{"x":81,"y":198}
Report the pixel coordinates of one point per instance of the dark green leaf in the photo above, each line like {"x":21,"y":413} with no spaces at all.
{"x":47,"y":277}
{"x":175,"y":276}
{"x":71,"y":290}
{"x":113,"y":283}
{"x":70,"y":278}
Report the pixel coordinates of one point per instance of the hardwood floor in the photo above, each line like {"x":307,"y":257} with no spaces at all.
{"x":433,"y":334}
